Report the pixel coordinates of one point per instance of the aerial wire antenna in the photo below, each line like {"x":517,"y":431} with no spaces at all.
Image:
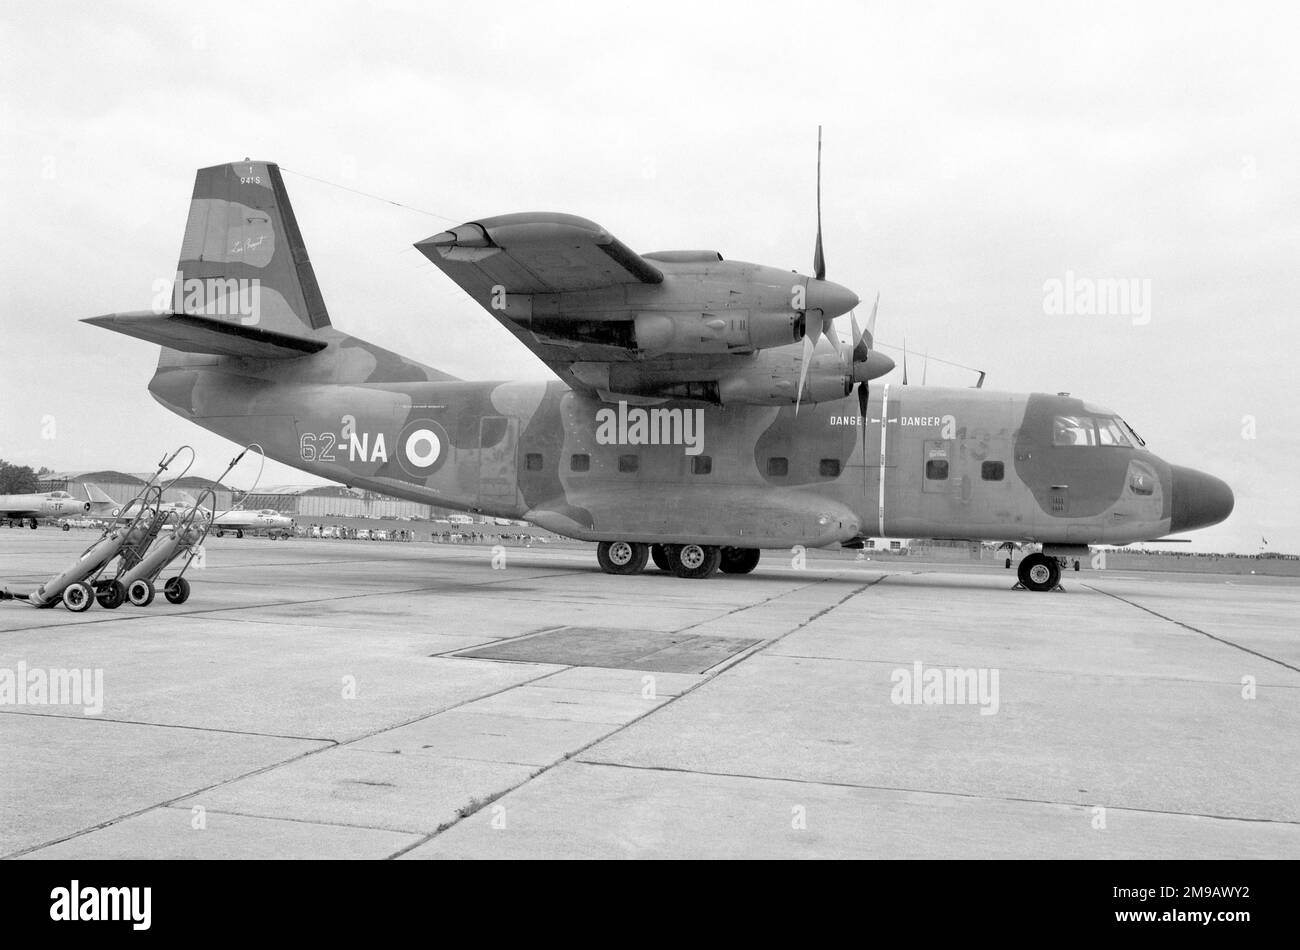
{"x":373,"y":197}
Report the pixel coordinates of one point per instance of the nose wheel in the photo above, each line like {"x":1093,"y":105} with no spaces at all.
{"x":1038,"y":572}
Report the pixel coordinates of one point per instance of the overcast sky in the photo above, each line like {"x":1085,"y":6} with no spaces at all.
{"x":972,"y":155}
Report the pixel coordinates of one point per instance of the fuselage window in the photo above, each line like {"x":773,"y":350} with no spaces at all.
{"x":830,"y":468}
{"x":533,"y":462}
{"x":992,"y":471}
{"x":580,"y":463}
{"x":1073,"y":430}
{"x":702,"y":464}
{"x":629,"y":463}
{"x":778,"y":466}
{"x":936,"y":469}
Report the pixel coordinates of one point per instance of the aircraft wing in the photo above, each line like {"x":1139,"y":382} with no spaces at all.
{"x":21,"y":512}
{"x":501,"y":262}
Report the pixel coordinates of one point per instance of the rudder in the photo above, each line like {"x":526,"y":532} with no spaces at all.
{"x":242,"y":258}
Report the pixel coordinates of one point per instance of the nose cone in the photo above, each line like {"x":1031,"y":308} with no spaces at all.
{"x":830,"y":298}
{"x":1199,"y":500}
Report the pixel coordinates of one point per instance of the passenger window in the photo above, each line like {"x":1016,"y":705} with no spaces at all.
{"x":992,"y":471}
{"x":533,"y":462}
{"x":1073,"y":430}
{"x":778,"y":466}
{"x":702,"y":464}
{"x":629,"y":463}
{"x":830,"y":468}
{"x":580,"y":463}
{"x":936,"y":469}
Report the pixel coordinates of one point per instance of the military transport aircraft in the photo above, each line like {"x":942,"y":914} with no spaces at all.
{"x":705,"y":408}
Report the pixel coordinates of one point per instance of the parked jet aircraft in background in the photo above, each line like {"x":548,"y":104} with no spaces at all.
{"x":46,"y":505}
{"x":268,"y":521}
{"x":705,"y":408}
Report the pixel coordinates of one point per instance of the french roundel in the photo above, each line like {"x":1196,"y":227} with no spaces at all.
{"x":422,"y":447}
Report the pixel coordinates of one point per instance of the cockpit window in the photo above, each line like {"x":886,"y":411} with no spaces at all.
{"x":1090,"y":430}
{"x":1073,"y":430}
{"x":1111,"y":432}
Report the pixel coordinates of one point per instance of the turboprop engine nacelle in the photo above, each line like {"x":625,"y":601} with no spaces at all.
{"x":766,"y":383}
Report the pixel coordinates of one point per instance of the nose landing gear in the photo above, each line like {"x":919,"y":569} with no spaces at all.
{"x":1038,"y":572}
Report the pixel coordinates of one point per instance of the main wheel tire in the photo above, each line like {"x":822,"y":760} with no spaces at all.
{"x":1038,"y":572}
{"x":239,"y":533}
{"x":739,"y":560}
{"x":67,"y":527}
{"x":659,"y":554}
{"x":140,"y":592}
{"x":111,"y":594}
{"x":221,"y":534}
{"x":78,"y":597}
{"x":176,"y":590}
{"x":622,"y":557}
{"x":33,"y":524}
{"x":694,"y":561}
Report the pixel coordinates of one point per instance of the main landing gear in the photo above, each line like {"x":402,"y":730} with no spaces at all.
{"x":691,"y":561}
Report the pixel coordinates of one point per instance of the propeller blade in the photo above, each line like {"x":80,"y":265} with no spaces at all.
{"x":904,"y":361}
{"x":819,"y":261}
{"x":863,"y":341}
{"x":925,"y":365}
{"x":808,"y":348}
{"x":812,"y":330}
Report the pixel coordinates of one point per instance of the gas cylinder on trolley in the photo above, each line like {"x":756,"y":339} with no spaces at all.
{"x":139,"y":580}
{"x":69,"y":585}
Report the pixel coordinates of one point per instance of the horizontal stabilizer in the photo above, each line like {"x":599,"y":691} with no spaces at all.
{"x":195,"y":334}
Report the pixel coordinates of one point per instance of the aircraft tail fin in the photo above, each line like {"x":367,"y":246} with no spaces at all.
{"x":244,"y":283}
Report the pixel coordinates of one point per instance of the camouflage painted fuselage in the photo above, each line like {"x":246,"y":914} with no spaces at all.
{"x":249,"y":352}
{"x":751,"y":476}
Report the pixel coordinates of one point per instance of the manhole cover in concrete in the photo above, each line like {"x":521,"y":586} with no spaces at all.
{"x":613,"y":648}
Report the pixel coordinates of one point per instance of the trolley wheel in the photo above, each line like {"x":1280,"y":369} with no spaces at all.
{"x":221,"y":534}
{"x":140,"y":592}
{"x":78,"y":597}
{"x":67,"y":527}
{"x":111,"y":594}
{"x":177,"y":590}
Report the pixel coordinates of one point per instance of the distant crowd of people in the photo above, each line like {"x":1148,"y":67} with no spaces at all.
{"x":345,"y":533}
